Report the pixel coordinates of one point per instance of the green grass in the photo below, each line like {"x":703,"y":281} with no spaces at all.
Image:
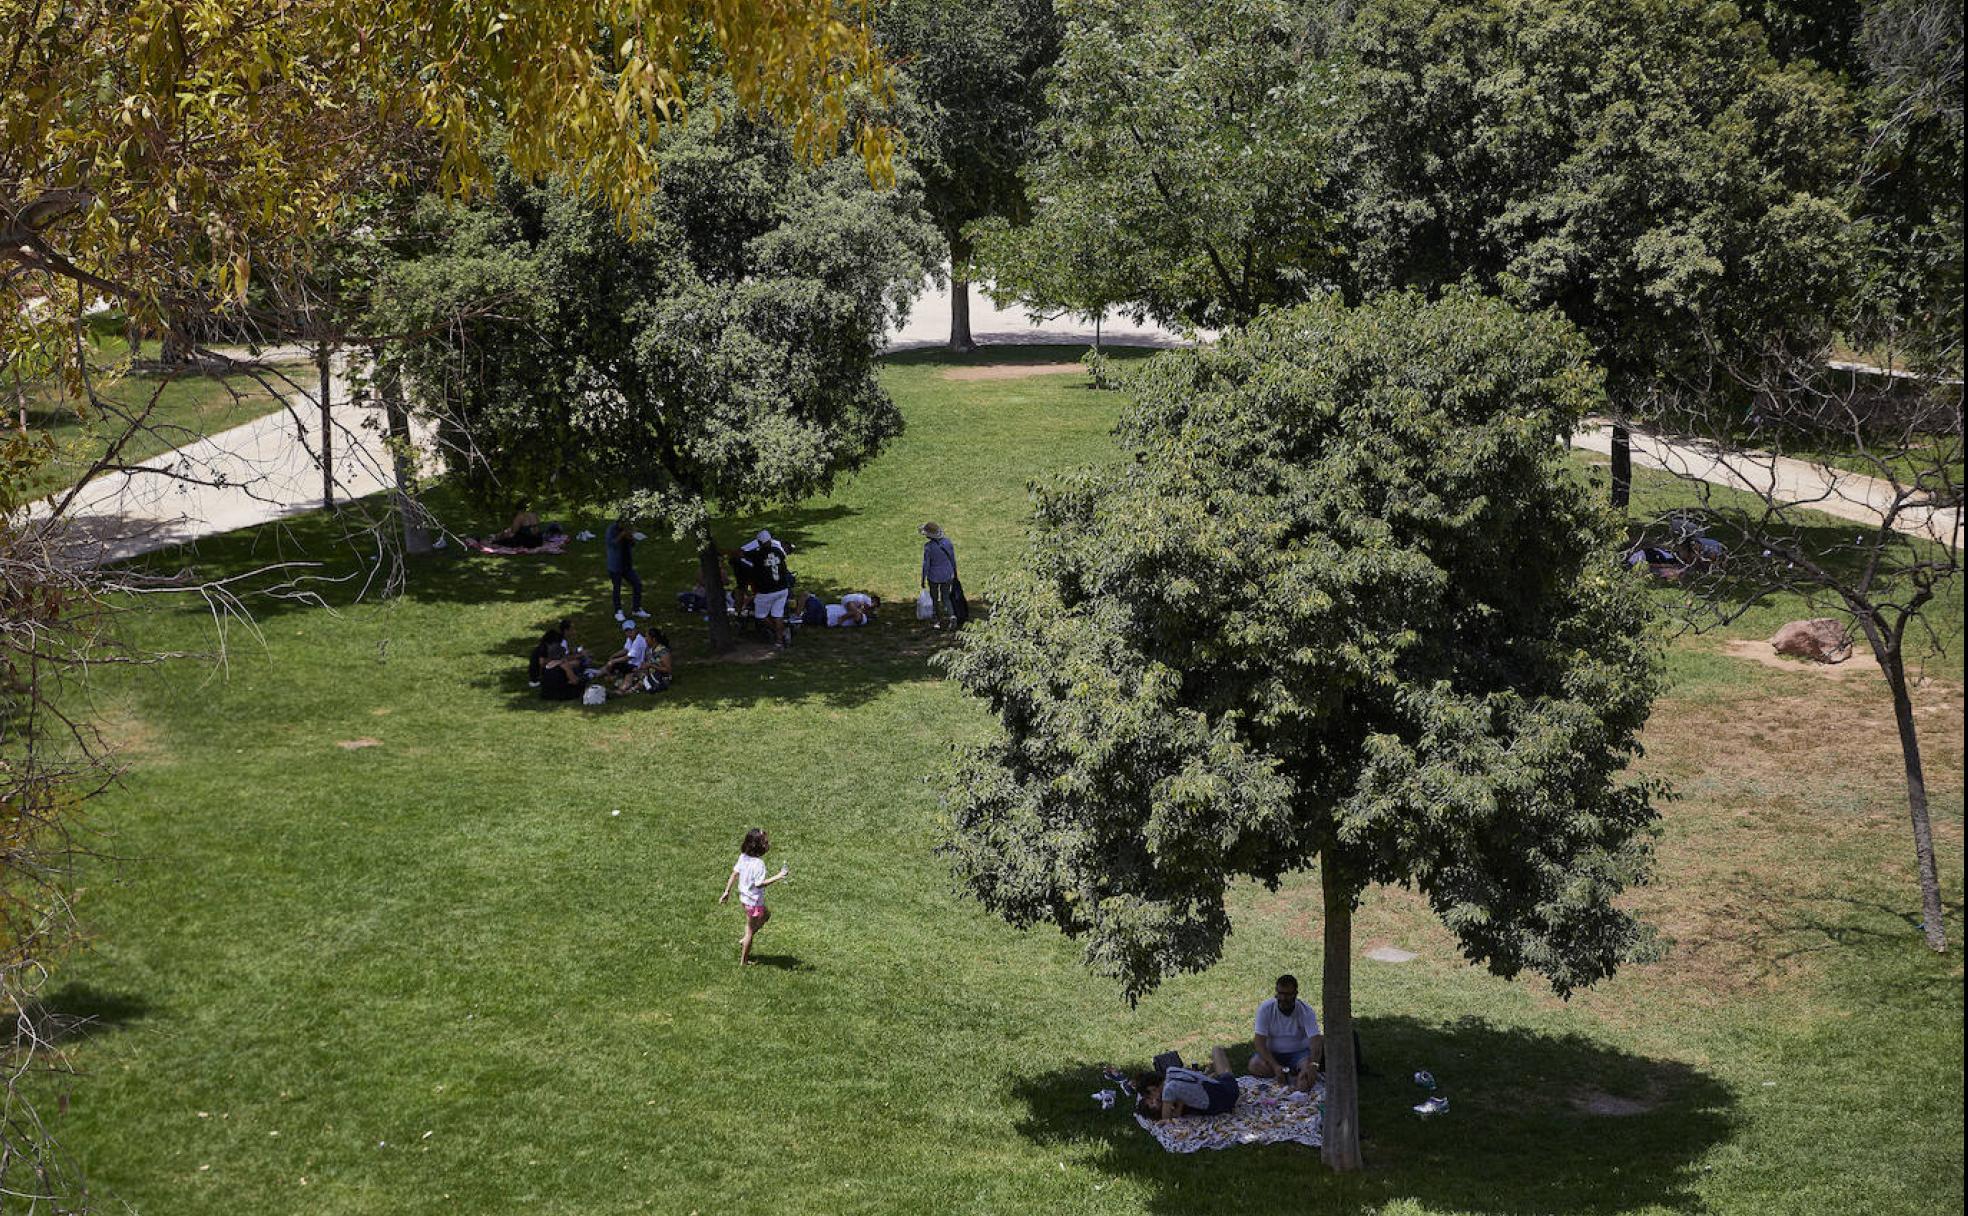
{"x":439,"y":975}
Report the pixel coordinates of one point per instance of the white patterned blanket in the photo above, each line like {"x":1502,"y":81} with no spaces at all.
{"x":1264,"y":1115}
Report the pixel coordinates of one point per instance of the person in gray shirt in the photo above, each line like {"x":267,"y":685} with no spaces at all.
{"x":1182,"y":1091}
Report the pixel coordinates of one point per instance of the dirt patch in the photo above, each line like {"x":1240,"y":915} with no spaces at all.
{"x":351,"y":745}
{"x":1757,"y":651}
{"x":1592,"y":1102}
{"x":1011,"y":371}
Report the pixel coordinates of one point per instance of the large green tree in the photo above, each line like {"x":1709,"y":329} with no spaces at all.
{"x":1648,"y":167}
{"x":1186,"y":164}
{"x":719,"y":356}
{"x":1344,"y":605}
{"x":973,"y":75}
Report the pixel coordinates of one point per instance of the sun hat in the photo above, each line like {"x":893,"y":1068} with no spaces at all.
{"x":931,"y":531}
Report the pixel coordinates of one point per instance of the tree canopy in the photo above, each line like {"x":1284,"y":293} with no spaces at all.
{"x":154,"y":151}
{"x":1346,"y":603}
{"x":1186,"y":164}
{"x":720,"y":355}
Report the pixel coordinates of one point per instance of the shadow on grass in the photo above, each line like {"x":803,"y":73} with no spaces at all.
{"x":781,"y":962}
{"x":1517,"y":1140}
{"x":78,"y":1011}
{"x":1019,"y":354}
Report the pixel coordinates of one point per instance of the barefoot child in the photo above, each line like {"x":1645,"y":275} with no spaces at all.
{"x":749,"y":874}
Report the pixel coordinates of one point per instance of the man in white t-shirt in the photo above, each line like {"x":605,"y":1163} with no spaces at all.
{"x":1289,"y":1045}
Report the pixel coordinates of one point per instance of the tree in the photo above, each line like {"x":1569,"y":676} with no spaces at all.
{"x":1911,"y":190}
{"x":1650,"y":169}
{"x":974,"y":75}
{"x":153,"y":152}
{"x":1187,"y":164}
{"x":719,"y":357}
{"x":1345,"y":605}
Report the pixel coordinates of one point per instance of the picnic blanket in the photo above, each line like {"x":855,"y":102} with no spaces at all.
{"x":1264,"y":1115}
{"x":555,"y":544}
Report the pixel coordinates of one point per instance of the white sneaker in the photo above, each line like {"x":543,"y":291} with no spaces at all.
{"x":643,"y":613}
{"x":532,"y":683}
{"x":620,"y":617}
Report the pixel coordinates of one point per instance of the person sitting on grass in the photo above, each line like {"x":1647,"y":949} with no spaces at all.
{"x":1289,"y":1045}
{"x":632,"y":655}
{"x":524,"y":533}
{"x":555,"y":643}
{"x":855,"y":608}
{"x":1179,"y":1091}
{"x":653,"y":673}
{"x":563,"y":679}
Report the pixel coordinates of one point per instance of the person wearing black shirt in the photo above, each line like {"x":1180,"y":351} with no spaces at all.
{"x":620,"y":540}
{"x":562,"y":680}
{"x":771,"y":580}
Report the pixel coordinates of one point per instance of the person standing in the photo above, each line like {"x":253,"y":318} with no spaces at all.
{"x":772,"y":583}
{"x":749,"y":875}
{"x":620,"y":540}
{"x":939,"y":573}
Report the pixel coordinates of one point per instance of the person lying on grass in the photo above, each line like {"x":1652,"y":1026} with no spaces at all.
{"x":855,"y":608}
{"x":1181,"y":1091}
{"x":749,"y":874}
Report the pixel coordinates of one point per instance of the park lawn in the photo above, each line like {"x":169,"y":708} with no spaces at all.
{"x":376,"y":940}
{"x":174,"y":409}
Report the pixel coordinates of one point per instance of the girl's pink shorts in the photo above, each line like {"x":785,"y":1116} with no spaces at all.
{"x":757,"y":913}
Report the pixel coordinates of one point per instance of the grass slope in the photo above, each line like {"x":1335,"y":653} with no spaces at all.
{"x":438,"y":974}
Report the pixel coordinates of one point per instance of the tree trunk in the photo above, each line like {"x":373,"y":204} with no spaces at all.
{"x":960,"y":339}
{"x":403,"y":458}
{"x":1342,"y":1077}
{"x":1622,"y":466}
{"x":322,"y":358}
{"x":1893,"y":661}
{"x":710,"y":570}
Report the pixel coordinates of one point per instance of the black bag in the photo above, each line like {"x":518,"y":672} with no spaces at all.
{"x":959,"y":605}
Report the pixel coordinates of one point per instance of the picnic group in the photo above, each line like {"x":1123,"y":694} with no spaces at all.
{"x":760,"y":595}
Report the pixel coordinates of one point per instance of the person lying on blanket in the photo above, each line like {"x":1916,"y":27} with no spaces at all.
{"x":1182,"y":1091}
{"x":523,"y":534}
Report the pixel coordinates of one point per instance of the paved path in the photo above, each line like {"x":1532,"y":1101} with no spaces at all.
{"x":269,"y":469}
{"x":1835,"y":492}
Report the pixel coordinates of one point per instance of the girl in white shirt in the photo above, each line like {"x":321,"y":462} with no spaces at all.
{"x":749,"y":875}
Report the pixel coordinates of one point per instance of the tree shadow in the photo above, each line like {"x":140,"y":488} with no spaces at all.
{"x":1020,"y":354}
{"x":1518,"y":1139}
{"x":78,"y":1011}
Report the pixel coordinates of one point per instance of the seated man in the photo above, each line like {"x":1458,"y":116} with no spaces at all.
{"x":855,"y":608}
{"x":653,"y":673}
{"x":1289,"y":1045}
{"x":633,"y":654}
{"x":1180,"y":1091}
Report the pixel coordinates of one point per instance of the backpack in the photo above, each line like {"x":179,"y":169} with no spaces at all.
{"x":813,"y":612}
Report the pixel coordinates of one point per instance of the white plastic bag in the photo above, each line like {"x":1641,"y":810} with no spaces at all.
{"x":595,"y":694}
{"x":925,"y":606}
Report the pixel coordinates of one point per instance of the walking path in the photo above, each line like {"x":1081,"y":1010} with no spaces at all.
{"x":269,"y":468}
{"x":1835,"y":492}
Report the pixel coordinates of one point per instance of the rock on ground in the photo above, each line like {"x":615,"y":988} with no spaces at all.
{"x":1822,"y":640}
